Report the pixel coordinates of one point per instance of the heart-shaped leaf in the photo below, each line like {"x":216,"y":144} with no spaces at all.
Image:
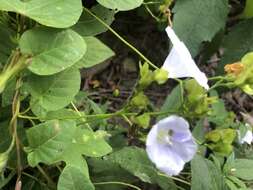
{"x":55,"y":141}
{"x":54,"y":13}
{"x":52,"y":50}
{"x":121,"y":5}
{"x":55,"y":91}
{"x":97,"y":52}
{"x":90,"y":26}
{"x":72,"y":178}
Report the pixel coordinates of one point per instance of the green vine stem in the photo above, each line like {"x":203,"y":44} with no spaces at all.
{"x":118,"y":183}
{"x":101,"y":116}
{"x":17,"y":64}
{"x":13,"y":128}
{"x":121,"y":39}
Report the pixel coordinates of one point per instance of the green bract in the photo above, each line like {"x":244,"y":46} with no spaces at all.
{"x":220,"y":140}
{"x":196,"y":101}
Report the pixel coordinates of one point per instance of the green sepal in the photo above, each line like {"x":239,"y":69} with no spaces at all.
{"x":146,"y":76}
{"x":161,"y":76}
{"x":142,"y":120}
{"x":140,"y":100}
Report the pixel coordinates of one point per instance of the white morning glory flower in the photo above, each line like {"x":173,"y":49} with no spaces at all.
{"x":179,"y":62}
{"x":248,"y":137}
{"x":170,"y":144}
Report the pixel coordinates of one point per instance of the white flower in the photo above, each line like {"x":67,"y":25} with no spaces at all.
{"x":179,"y":62}
{"x":248,"y":137}
{"x":170,"y":144}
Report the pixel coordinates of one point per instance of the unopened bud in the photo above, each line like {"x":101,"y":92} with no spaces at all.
{"x":234,"y":68}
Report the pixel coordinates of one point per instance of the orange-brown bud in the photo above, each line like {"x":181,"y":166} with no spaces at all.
{"x":234,"y":68}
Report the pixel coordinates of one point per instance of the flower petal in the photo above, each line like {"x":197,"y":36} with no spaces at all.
{"x":179,"y":62}
{"x":168,"y":151}
{"x":174,"y":122}
{"x":185,"y":150}
{"x":165,"y":159}
{"x":248,"y":138}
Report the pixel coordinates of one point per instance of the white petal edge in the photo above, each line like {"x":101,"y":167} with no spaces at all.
{"x":179,"y":62}
{"x":165,"y":160}
{"x":248,"y":138}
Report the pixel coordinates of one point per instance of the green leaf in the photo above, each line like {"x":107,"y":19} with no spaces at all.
{"x":237,"y":43}
{"x":173,"y":102}
{"x":205,"y":175}
{"x":196,"y":21}
{"x":135,"y":161}
{"x":90,"y":26}
{"x":52,"y":50}
{"x":61,"y":114}
{"x":121,"y":5}
{"x":248,"y":10}
{"x":5,"y":137}
{"x":55,"y":91}
{"x":91,"y":143}
{"x":231,"y":185}
{"x":55,"y":141}
{"x":72,"y":178}
{"x":54,"y":13}
{"x":237,"y":181}
{"x":48,"y":140}
{"x":97,"y":52}
{"x":243,"y":169}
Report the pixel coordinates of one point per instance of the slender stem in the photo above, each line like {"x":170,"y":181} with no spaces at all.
{"x":216,"y":78}
{"x":13,"y":127}
{"x":82,"y":117}
{"x":46,"y":176}
{"x":99,"y":116}
{"x":34,"y":178}
{"x":127,"y":120}
{"x":151,"y":13}
{"x":118,"y":183}
{"x":176,"y":179}
{"x":28,"y":117}
{"x":121,"y":38}
{"x":219,"y":84}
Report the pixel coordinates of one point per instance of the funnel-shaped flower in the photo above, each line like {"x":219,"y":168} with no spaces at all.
{"x":248,"y":138}
{"x":170,"y":144}
{"x":179,"y":62}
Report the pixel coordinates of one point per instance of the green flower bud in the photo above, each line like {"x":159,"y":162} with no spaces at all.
{"x":220,"y":140}
{"x":161,"y":76}
{"x":146,"y":75}
{"x":140,"y":100}
{"x":196,"y":103}
{"x":116,"y":92}
{"x":241,"y":73}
